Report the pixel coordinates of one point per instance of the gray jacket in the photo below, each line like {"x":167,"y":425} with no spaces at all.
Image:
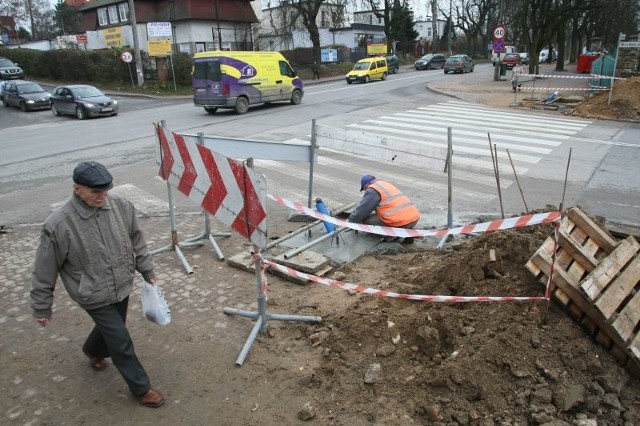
{"x":95,"y":251}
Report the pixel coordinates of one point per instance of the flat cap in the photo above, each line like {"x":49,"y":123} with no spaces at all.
{"x":93,"y":175}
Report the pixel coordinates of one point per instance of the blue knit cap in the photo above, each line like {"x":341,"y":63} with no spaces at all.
{"x":365,"y":180}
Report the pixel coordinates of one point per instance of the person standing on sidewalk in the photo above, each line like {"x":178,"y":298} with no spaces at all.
{"x":516,"y":74}
{"x":94,"y":244}
{"x":314,"y":68}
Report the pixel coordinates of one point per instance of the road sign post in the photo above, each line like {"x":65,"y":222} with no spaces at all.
{"x":127,"y":58}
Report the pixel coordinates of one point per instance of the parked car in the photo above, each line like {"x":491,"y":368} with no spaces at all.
{"x":9,"y":70}
{"x":367,"y":69}
{"x":544,"y":56}
{"x":2,"y":84}
{"x":393,"y":63}
{"x":524,"y":58}
{"x":25,"y":95}
{"x":510,"y":60}
{"x":430,"y":61}
{"x":458,"y":63}
{"x":82,"y":101}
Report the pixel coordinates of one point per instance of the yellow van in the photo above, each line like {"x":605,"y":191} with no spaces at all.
{"x":367,"y":69}
{"x":238,"y":80}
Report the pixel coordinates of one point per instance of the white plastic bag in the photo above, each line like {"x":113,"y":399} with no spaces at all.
{"x":155,"y":305}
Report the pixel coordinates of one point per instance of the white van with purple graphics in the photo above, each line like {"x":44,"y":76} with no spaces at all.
{"x":238,"y":80}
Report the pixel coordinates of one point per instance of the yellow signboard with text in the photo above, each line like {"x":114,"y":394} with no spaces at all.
{"x":160,"y":48}
{"x":113,"y":37}
{"x":377,"y":49}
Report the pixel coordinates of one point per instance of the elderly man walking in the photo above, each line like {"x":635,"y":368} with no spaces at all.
{"x":94,"y":244}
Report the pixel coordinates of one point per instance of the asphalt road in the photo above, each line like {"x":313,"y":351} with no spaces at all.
{"x":39,"y":150}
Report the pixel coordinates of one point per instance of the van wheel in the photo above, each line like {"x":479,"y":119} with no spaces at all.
{"x":23,"y":106}
{"x":211,"y":110}
{"x":366,"y":79}
{"x":348,"y":81}
{"x":446,"y":71}
{"x":428,"y":67}
{"x":242,"y":105}
{"x":54,"y":110}
{"x":296,"y":97}
{"x":384,"y":76}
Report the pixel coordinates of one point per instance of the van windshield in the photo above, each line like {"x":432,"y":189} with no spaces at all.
{"x":207,"y":70}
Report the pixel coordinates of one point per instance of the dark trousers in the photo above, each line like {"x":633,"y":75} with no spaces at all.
{"x":110,"y":338}
{"x":316,"y":74}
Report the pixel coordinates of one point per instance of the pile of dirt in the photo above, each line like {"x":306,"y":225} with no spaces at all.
{"x":394,"y":361}
{"x":625,"y":102}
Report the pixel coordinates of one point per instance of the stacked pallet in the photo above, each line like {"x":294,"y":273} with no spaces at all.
{"x":597,"y":279}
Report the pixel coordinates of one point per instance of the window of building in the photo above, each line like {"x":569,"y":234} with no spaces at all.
{"x":103,"y":17}
{"x":324,"y":21}
{"x":429,"y":32}
{"x":123,"y":8}
{"x":113,"y":14}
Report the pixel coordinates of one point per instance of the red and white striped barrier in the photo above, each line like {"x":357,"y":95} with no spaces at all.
{"x":495,"y":225}
{"x":224,"y":187}
{"x":383,"y":293}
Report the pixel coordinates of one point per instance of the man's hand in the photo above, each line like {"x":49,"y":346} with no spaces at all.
{"x":153,"y":281}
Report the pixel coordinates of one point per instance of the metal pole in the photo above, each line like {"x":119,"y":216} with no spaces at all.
{"x":306,"y":227}
{"x":565,"y":180}
{"x":518,"y":182}
{"x":302,"y":248}
{"x":450,"y":178}
{"x":621,"y":37}
{"x":495,"y":148}
{"x":312,"y":157}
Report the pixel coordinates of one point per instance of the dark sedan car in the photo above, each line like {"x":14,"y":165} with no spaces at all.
{"x":25,"y":95}
{"x":83,"y":101}
{"x":458,"y":63}
{"x":430,"y":61}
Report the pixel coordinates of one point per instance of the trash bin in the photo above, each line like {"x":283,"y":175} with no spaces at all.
{"x":503,"y":70}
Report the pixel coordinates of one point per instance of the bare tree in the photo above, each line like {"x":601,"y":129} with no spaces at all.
{"x":471,"y":17}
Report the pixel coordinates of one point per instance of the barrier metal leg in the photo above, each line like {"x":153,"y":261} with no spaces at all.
{"x":175,"y":245}
{"x":262,"y":316}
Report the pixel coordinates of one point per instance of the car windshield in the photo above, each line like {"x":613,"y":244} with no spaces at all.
{"x":86,"y":92}
{"x":6,"y":63}
{"x":427,"y":57}
{"x":359,"y":66}
{"x":30,"y":88}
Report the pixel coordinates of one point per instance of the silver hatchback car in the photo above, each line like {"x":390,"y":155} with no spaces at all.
{"x":458,"y":63}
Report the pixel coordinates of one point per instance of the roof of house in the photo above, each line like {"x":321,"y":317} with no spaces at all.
{"x":177,"y":10}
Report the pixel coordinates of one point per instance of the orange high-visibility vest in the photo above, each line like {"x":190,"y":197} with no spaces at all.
{"x":394,"y":209}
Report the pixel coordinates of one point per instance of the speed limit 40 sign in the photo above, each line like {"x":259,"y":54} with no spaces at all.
{"x":499,"y":32}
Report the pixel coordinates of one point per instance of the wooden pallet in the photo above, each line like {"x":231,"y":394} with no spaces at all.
{"x":597,"y":279}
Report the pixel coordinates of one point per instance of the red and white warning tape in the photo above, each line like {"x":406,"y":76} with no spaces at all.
{"x":383,"y":293}
{"x":495,"y":225}
{"x":563,"y":89}
{"x":583,"y":77}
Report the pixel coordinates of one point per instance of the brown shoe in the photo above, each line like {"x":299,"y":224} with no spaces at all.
{"x":151,"y":398}
{"x":97,"y":364}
